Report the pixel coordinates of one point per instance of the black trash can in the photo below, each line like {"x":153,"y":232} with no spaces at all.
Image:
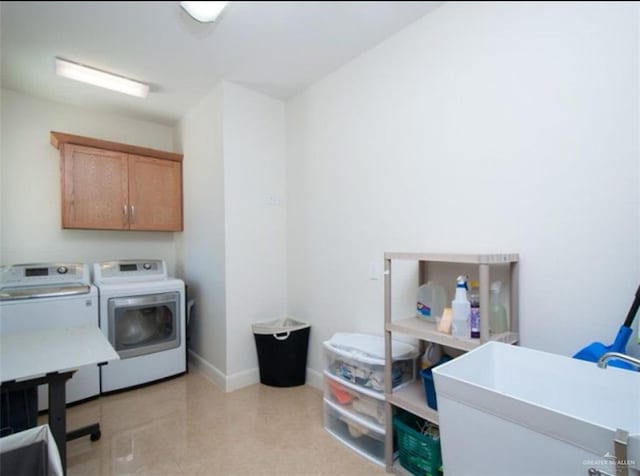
{"x":282,"y":351}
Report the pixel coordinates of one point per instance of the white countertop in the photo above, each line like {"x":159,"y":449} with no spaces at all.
{"x":31,"y":354}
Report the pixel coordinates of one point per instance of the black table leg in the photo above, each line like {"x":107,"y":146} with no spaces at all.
{"x":57,"y":382}
{"x":57,"y":417}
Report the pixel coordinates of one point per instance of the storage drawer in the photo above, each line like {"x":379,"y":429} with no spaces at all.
{"x":354,"y":400}
{"x":356,"y":433}
{"x":366,"y":371}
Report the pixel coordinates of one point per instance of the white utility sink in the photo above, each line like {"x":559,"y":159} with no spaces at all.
{"x":513,"y":411}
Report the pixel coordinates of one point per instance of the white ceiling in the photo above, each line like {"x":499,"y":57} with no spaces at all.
{"x":275,"y":47}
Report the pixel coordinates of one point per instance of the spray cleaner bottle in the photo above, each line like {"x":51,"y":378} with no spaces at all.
{"x":461,"y":308}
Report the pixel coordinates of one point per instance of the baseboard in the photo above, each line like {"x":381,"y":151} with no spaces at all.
{"x":227,"y":382}
{"x":242,"y":379}
{"x":211,"y":372}
{"x":314,"y":379}
{"x":252,"y":376}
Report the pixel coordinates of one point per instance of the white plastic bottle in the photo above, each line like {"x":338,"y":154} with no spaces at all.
{"x":430,"y":302}
{"x":432,"y":355}
{"x":498,"y":322}
{"x":461,"y":308}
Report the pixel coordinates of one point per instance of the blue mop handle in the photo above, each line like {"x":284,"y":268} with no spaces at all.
{"x":620,"y":344}
{"x":634,"y":310}
{"x":624,"y":334}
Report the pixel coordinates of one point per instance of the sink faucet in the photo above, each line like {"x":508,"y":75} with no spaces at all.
{"x":604,"y":360}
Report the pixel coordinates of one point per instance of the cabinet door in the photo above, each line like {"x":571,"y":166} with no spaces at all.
{"x":155,"y":194}
{"x":94,"y":188}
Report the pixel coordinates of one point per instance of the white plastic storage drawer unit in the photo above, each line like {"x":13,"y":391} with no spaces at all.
{"x":357,"y":433}
{"x":355,"y":400}
{"x":359,"y":359}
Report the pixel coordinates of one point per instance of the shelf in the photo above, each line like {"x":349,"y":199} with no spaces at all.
{"x":425,"y":330}
{"x":412,"y":399}
{"x":456,"y":258}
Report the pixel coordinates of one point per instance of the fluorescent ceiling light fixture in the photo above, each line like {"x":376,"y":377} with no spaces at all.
{"x":103,"y":79}
{"x":204,"y":11}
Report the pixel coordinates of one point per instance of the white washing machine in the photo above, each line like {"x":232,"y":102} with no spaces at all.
{"x":142,"y":314}
{"x":46,"y":296}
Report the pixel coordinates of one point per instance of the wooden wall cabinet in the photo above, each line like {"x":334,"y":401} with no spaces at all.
{"x":111,"y":186}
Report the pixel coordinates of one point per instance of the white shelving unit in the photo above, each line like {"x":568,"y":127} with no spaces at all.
{"x":412,"y":397}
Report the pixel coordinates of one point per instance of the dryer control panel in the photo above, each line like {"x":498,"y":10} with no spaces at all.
{"x":129,"y":271}
{"x":44,"y":274}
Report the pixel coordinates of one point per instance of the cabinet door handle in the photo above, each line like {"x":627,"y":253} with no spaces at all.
{"x":133,"y":213}
{"x":125,"y":213}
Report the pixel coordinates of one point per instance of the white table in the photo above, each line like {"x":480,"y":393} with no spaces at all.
{"x":51,"y":356}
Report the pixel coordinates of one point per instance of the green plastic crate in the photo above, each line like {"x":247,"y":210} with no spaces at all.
{"x":420,"y":454}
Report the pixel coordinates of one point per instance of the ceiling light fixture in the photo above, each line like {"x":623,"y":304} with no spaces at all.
{"x":79,"y":72}
{"x":204,"y":11}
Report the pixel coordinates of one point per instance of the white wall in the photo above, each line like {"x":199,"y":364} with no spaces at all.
{"x":201,"y":247}
{"x":507,"y":127}
{"x":232,"y":252}
{"x":30,"y":214}
{"x":254,"y":165}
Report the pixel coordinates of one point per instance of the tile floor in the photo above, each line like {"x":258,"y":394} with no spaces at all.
{"x":188,"y":426}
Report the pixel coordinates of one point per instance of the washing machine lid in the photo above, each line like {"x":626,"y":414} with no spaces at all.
{"x":35,"y":292}
{"x":44,"y":275}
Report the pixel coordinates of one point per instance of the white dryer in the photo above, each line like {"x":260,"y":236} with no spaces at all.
{"x":142,"y":314}
{"x":47,"y":296}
